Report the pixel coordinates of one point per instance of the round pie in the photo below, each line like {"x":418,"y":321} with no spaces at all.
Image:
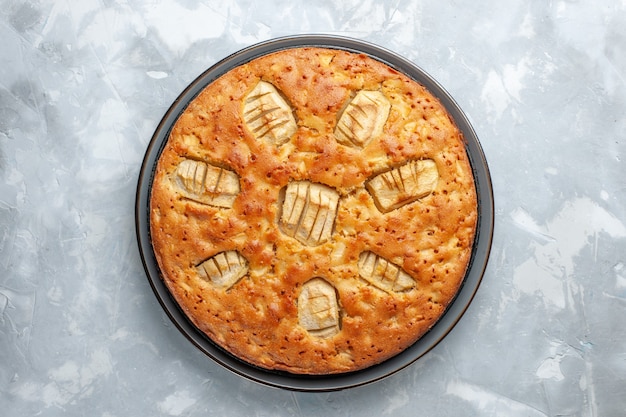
{"x":313,"y":211}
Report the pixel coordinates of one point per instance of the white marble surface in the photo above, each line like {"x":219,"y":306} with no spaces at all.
{"x":83,"y":84}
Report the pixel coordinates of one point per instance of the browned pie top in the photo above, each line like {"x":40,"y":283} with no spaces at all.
{"x":313,"y":211}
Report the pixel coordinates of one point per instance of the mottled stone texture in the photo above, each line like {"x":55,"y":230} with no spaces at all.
{"x":83,"y":85}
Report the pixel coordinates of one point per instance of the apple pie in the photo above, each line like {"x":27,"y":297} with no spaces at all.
{"x":313,"y":211}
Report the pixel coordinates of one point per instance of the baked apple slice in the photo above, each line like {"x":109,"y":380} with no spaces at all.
{"x":403,"y":185}
{"x":363,"y":119}
{"x":268,"y":115}
{"x":318,"y":310}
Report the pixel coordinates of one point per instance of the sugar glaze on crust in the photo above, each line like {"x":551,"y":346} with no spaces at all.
{"x":313,"y":211}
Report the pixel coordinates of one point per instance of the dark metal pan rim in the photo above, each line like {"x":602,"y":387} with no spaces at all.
{"x":456,"y":309}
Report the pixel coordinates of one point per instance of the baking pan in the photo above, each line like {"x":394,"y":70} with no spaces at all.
{"x":475,"y":271}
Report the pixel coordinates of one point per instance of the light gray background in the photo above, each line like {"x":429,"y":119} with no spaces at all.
{"x":83,"y":85}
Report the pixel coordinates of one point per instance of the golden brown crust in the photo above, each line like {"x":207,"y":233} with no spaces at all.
{"x":427,"y":238}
